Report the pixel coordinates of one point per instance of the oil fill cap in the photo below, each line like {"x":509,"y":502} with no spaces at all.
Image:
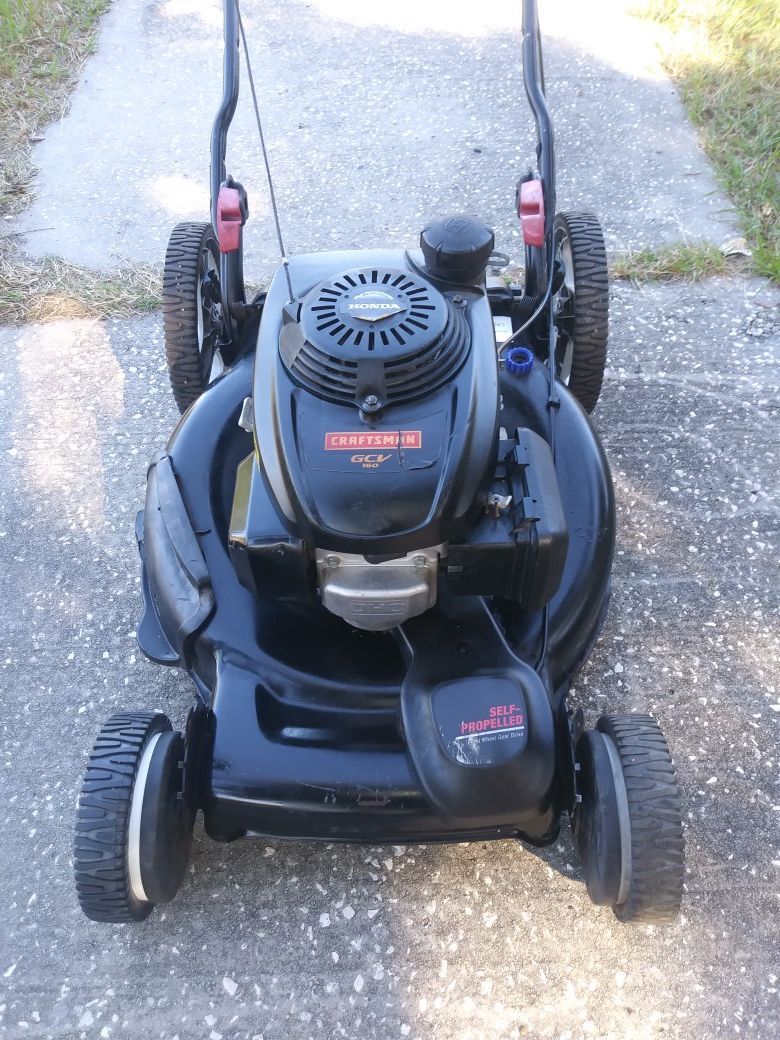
{"x":456,"y":248}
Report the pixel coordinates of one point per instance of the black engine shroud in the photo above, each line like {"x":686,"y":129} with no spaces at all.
{"x":403,"y":471}
{"x":376,"y":419}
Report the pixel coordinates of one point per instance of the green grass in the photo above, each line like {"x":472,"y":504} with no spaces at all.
{"x":725,"y":58}
{"x":43,"y":44}
{"x":682,"y":262}
{"x":17,"y":17}
{"x":51,"y":289}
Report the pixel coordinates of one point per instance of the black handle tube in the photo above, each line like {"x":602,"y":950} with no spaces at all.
{"x":231,"y":266}
{"x":533,"y":78}
{"x":224,"y":116}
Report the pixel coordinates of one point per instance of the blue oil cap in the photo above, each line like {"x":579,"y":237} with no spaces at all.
{"x":519,"y":361}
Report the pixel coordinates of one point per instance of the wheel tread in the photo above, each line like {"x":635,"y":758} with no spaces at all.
{"x":103,"y":816}
{"x":655,"y":809}
{"x":591,"y":305}
{"x":179,"y":306}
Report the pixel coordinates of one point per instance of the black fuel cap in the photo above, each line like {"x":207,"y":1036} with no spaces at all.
{"x":456,"y":248}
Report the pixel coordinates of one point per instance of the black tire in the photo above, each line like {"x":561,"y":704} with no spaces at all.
{"x":655,"y":810}
{"x":582,"y":305}
{"x":103,"y":817}
{"x":191,"y":309}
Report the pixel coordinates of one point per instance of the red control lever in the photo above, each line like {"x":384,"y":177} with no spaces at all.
{"x":229,"y":219}
{"x":530,"y":209}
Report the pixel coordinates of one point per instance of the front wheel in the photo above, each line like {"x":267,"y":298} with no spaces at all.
{"x":581,"y":305}
{"x":628,"y":822}
{"x":133,"y":825}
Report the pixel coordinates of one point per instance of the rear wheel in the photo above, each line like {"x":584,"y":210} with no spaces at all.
{"x":192,"y":311}
{"x":581,"y":305}
{"x":133,"y":827}
{"x":628,"y":824}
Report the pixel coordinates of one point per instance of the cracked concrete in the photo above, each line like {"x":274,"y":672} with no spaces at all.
{"x":293,"y":941}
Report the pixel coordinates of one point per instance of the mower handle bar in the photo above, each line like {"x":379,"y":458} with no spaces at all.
{"x":231,"y":265}
{"x":533,"y":78}
{"x":227,"y":108}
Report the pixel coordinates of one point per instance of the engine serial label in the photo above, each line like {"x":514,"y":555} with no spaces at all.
{"x":363,"y":440}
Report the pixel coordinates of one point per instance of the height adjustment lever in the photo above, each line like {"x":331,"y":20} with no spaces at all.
{"x":232,"y":214}
{"x":530,"y":209}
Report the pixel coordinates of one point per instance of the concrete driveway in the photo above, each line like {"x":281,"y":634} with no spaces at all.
{"x":404,"y":111}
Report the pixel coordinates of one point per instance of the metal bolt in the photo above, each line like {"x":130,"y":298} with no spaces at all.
{"x":458,"y":299}
{"x":419,"y":562}
{"x":332,"y":561}
{"x":497,"y":504}
{"x":370,"y":401}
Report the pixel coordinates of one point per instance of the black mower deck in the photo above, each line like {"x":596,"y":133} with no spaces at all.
{"x":305,"y":712}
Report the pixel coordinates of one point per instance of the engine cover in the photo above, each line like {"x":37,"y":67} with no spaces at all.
{"x":375,"y":337}
{"x":376,"y":405}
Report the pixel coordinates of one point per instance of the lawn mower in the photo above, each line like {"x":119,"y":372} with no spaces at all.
{"x":380,"y":541}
